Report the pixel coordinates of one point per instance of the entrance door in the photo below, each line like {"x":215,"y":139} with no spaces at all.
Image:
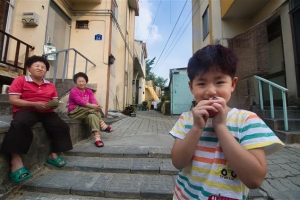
{"x":276,"y":62}
{"x":295,"y":15}
{"x":58,"y":35}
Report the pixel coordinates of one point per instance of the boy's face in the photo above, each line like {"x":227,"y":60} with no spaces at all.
{"x":212,"y":84}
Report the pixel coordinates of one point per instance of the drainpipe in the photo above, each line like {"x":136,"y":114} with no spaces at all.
{"x":108,"y":66}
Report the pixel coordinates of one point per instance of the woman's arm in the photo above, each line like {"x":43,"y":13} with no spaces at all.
{"x":250,"y":166}
{"x":93,"y":103}
{"x":15,"y":100}
{"x":79,"y":101}
{"x":92,"y":98}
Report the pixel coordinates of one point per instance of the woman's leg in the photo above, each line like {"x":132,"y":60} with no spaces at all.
{"x":105,"y":127}
{"x":16,"y":162}
{"x":59,"y":131}
{"x":18,"y":139}
{"x":92,"y":120}
{"x":98,"y":141}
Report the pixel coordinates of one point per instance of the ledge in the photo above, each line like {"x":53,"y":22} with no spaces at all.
{"x":39,"y":150}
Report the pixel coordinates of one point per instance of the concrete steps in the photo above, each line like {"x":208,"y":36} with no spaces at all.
{"x":277,"y":124}
{"x":115,"y":172}
{"x":110,"y":172}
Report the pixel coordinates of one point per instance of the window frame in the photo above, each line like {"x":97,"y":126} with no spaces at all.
{"x":205,"y":21}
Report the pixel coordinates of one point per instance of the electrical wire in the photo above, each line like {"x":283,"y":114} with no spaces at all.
{"x":153,"y":21}
{"x":182,"y":31}
{"x":170,"y":35}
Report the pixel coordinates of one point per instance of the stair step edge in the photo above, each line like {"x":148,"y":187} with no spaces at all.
{"x":107,"y":185}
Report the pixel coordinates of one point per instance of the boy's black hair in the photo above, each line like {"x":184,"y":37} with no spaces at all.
{"x":212,"y":57}
{"x":29,"y":61}
{"x":80,"y":74}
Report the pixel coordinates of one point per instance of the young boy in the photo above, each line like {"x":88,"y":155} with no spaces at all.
{"x":219,"y":150}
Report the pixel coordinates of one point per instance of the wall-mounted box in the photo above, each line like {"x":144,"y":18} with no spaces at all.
{"x":30,"y":18}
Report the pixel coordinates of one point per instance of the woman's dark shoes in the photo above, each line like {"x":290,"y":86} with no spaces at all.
{"x":58,"y":161}
{"x":99,"y":143}
{"x":19,"y":175}
{"x":108,"y":129}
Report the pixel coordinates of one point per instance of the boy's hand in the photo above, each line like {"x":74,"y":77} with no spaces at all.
{"x":220,"y":117}
{"x":201,"y":113}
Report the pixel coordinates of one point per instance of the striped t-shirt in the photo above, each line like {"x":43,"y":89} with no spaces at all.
{"x":209,"y":174}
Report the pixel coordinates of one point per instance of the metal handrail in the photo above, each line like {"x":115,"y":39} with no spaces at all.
{"x":283,"y":94}
{"x":5,"y":37}
{"x":66,"y":51}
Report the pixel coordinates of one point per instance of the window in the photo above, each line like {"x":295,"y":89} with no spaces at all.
{"x":294,"y":3}
{"x":82,"y":24}
{"x":205,"y":23}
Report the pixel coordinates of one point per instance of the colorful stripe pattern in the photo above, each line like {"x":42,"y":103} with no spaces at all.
{"x":209,"y":174}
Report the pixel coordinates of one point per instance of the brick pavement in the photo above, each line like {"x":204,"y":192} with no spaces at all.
{"x":282,"y":180}
{"x":135,"y":163}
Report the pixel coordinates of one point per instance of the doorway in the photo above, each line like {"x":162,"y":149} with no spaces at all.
{"x":276,"y":62}
{"x":58,"y":34}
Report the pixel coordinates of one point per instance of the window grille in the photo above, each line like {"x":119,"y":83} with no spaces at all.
{"x":83,"y":24}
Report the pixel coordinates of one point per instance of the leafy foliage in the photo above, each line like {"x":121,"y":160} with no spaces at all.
{"x":157,"y":80}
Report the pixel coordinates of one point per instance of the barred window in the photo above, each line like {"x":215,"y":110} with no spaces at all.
{"x":82,"y":24}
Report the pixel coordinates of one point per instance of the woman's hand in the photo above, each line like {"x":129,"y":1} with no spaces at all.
{"x":95,"y":107}
{"x":40,"y":106}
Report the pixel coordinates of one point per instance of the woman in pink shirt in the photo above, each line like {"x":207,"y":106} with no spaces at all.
{"x":84,"y":107}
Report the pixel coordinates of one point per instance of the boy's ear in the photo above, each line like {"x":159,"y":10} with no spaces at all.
{"x":191,"y":86}
{"x":234,"y":82}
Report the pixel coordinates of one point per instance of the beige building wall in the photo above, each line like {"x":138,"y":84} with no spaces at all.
{"x":199,"y":7}
{"x":117,"y":39}
{"x":131,"y":18}
{"x":34,"y":35}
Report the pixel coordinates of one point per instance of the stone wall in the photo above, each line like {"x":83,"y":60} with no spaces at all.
{"x":39,"y":150}
{"x":251,"y":48}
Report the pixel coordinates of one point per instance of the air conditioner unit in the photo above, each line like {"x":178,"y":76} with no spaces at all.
{"x":30,"y":19}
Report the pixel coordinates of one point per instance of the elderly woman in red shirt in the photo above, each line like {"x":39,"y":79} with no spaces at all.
{"x":33,"y":100}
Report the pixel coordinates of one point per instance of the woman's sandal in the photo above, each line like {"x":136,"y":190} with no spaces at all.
{"x":108,"y":129}
{"x":56,"y":161}
{"x":99,"y":143}
{"x":19,"y":175}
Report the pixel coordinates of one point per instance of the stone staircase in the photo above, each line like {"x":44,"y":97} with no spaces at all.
{"x":124,"y":172}
{"x":277,"y":125}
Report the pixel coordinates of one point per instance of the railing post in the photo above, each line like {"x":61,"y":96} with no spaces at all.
{"x":6,"y":49}
{"x":261,"y":101}
{"x":86,"y":64}
{"x":271,"y":101}
{"x":17,"y":54}
{"x":75,"y":57}
{"x":65,"y":65}
{"x":286,"y":124}
{"x":26,"y":56}
{"x":55,"y":69}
